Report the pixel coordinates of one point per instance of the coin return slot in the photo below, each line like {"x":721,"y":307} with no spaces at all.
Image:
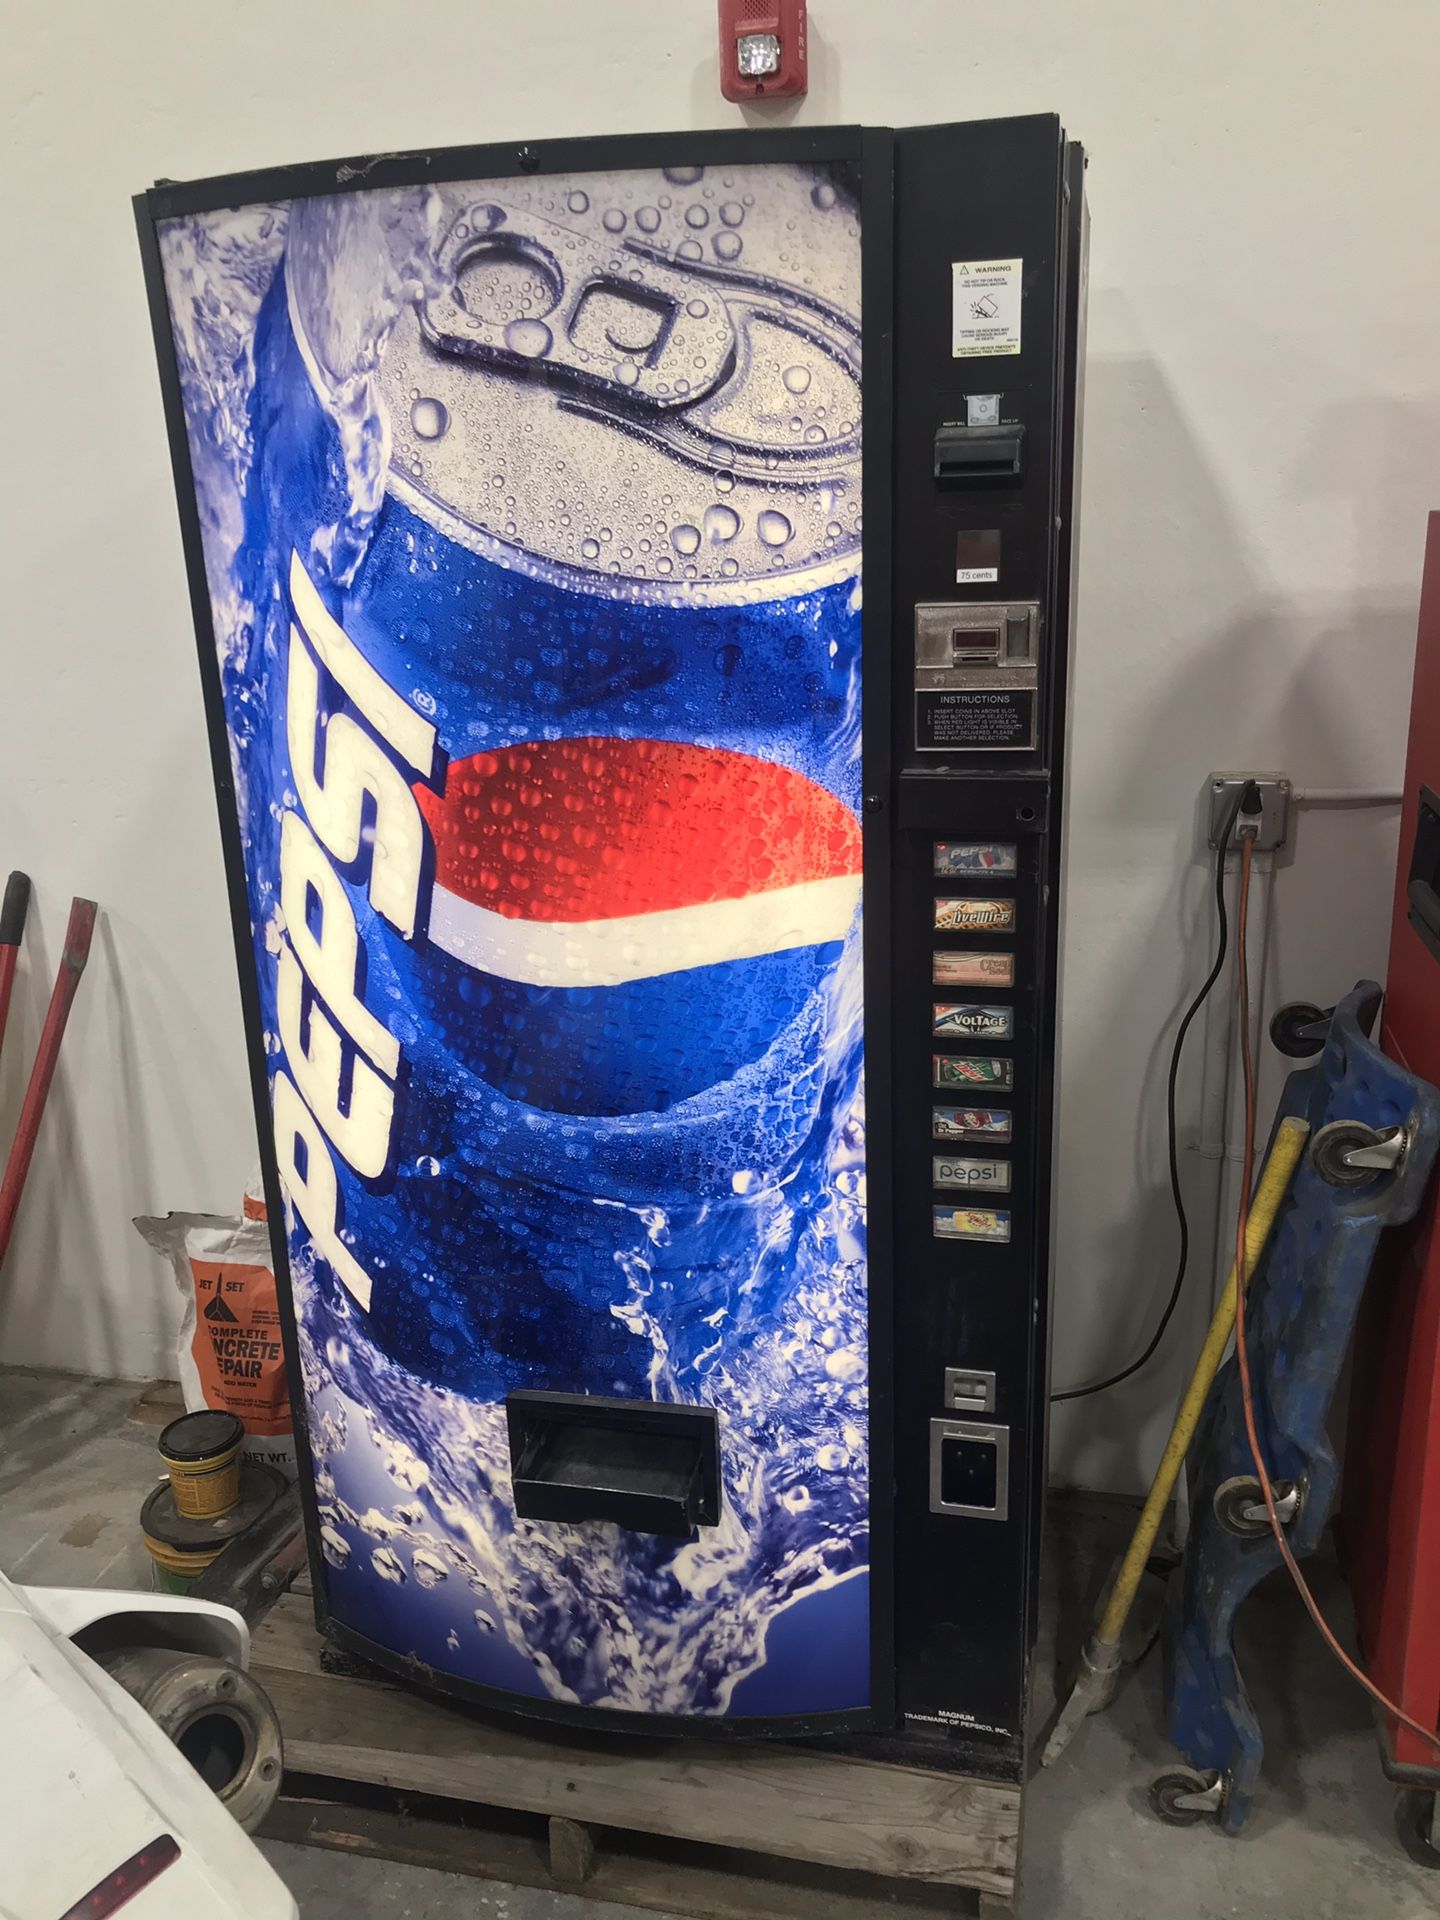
{"x":969,"y":1469}
{"x":969,"y":1391}
{"x":647,"y":1466}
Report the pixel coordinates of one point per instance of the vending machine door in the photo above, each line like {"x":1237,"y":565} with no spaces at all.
{"x":522,"y":498}
{"x":649,"y":951}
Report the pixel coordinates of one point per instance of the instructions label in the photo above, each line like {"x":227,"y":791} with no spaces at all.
{"x":985,"y":308}
{"x":969,"y":717}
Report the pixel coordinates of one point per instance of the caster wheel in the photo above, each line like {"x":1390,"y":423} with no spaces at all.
{"x":1292,"y":1029}
{"x":1330,"y":1145}
{"x":1183,"y":1798}
{"x":1239,"y":1506}
{"x":1416,"y":1825}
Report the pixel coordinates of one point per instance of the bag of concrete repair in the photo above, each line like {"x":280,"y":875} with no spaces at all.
{"x":230,"y":1353}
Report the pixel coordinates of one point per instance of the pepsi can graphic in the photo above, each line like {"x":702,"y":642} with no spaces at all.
{"x":532,"y":523}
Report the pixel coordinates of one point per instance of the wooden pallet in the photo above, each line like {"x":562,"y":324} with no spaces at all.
{"x":718,"y":1831}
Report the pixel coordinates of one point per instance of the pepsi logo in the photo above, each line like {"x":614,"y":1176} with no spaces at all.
{"x":596,"y":862}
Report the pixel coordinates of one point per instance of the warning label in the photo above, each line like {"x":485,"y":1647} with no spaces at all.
{"x":236,"y":1344}
{"x":985,"y":307}
{"x":975,"y":717}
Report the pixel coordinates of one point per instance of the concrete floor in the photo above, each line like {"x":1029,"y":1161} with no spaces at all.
{"x":77,"y":1456}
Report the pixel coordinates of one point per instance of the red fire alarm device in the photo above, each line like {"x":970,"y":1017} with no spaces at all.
{"x":762,"y":49}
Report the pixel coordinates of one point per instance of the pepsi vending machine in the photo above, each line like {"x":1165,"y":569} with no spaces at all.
{"x":632,"y":588}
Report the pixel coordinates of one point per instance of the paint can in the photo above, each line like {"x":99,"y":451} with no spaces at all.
{"x":201,"y":1452}
{"x":181,"y":1546}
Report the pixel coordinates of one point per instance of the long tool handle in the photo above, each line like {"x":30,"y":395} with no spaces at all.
{"x":1290,"y":1138}
{"x":78,"y":935}
{"x":12,"y":931}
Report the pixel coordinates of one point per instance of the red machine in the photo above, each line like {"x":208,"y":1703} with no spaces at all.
{"x":1392,"y":1478}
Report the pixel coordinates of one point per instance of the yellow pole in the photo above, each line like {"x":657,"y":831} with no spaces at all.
{"x":1100,"y":1658}
{"x":1290,"y":1139}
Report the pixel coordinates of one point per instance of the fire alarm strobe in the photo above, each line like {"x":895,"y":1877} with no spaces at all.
{"x":762,"y":48}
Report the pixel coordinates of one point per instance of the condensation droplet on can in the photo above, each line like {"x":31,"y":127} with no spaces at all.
{"x":796,"y":379}
{"x":613,"y":220}
{"x":727,"y":245}
{"x":590,"y":549}
{"x":697,"y":217}
{"x":732,"y":213}
{"x":647,"y":219}
{"x":773,"y":527}
{"x":691,"y":249}
{"x":579,"y":201}
{"x":626,"y":372}
{"x":823,"y":195}
{"x":697,"y":309}
{"x":684,"y":176}
{"x":721,"y":524}
{"x":429,"y":418}
{"x":685,"y":538}
{"x":531,"y":339}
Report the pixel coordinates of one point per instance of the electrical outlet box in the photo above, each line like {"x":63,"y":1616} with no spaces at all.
{"x":1274,"y":807}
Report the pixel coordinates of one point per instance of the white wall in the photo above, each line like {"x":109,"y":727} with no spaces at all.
{"x":1262,"y":446}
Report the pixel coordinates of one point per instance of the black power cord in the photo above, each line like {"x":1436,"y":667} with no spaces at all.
{"x":1251,"y":794}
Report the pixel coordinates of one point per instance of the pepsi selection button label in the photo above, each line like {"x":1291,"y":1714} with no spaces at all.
{"x":974,"y":858}
{"x":971,"y":1123}
{"x":971,"y":1070}
{"x":952,"y":1172}
{"x":971,"y":1223}
{"x":973,"y":969}
{"x":974,"y":916}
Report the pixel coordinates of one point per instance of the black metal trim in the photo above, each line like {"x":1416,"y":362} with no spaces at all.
{"x":877,"y":320}
{"x":504,"y":160}
{"x":1070,"y":278}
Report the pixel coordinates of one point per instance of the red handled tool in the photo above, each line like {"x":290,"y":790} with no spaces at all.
{"x":78,"y":935}
{"x":12,"y":932}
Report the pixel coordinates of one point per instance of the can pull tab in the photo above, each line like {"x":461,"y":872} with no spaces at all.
{"x":522,"y":292}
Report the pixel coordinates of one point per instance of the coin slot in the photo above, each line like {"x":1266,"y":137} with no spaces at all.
{"x":974,"y":643}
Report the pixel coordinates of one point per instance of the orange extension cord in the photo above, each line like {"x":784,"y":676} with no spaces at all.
{"x":1247,"y":1395}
